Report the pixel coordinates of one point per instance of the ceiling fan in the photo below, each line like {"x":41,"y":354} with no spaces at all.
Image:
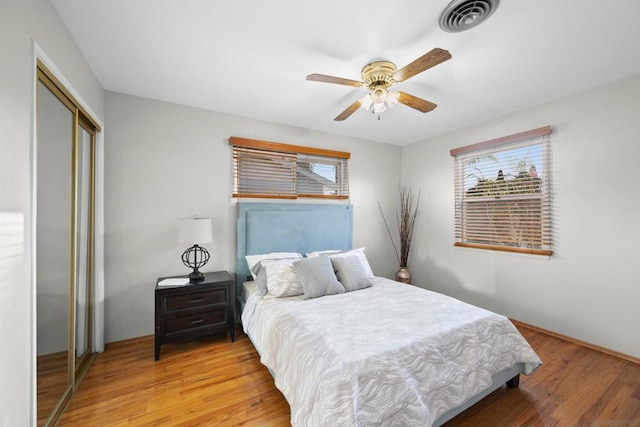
{"x":378,"y":76}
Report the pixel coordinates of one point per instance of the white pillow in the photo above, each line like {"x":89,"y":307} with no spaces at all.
{"x":282,"y":280}
{"x":361,"y":256}
{"x":252,"y":260}
{"x":318,"y":253}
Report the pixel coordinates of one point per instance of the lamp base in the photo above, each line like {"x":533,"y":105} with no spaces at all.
{"x":195,"y":257}
{"x":196,"y":276}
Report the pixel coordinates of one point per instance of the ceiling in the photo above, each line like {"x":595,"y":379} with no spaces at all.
{"x":251,"y":58}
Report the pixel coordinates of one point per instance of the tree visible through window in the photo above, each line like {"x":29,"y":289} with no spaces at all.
{"x":502,"y":193}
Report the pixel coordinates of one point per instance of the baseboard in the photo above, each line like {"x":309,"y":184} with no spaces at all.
{"x":579,"y":342}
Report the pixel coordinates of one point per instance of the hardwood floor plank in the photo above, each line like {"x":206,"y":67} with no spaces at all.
{"x":213,"y":382}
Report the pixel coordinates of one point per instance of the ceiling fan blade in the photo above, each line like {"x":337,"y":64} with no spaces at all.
{"x":426,"y":61}
{"x":336,"y":80}
{"x":349,"y":111}
{"x":416,"y":103}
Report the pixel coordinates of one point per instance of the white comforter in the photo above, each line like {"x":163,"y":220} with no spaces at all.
{"x":389,"y":355}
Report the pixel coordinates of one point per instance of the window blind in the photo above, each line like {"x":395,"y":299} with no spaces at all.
{"x":273,"y":170}
{"x":503,"y":193}
{"x":260,"y":173}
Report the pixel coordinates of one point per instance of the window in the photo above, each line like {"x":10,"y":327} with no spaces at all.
{"x":503,"y":193}
{"x":273,"y":170}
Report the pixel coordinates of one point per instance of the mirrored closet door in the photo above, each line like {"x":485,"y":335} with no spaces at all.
{"x":65,"y":164}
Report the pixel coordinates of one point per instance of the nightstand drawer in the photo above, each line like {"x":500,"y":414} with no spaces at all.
{"x":195,"y":299}
{"x":205,"y":318}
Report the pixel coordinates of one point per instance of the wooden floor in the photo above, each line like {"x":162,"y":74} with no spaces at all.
{"x":214,"y":382}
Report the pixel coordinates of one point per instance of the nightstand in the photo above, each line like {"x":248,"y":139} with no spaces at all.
{"x":188,"y":312}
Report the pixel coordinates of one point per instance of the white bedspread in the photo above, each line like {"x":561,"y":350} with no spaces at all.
{"x":389,"y":355}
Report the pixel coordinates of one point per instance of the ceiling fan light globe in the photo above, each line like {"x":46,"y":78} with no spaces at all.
{"x":392,"y":98}
{"x":379,"y":95}
{"x":379,"y":107}
{"x":366,"y":102}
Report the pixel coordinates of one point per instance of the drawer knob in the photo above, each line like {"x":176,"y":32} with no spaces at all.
{"x":195,"y":322}
{"x":197,"y":300}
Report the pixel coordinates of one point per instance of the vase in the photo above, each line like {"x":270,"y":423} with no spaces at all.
{"x":403,"y":275}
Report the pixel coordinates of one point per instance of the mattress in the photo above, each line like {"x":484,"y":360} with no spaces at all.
{"x":249,"y":288}
{"x":391,"y":354}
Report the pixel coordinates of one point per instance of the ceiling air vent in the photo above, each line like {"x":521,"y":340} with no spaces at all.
{"x":460,"y":15}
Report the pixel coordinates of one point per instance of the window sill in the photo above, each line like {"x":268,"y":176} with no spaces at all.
{"x":531,"y":253}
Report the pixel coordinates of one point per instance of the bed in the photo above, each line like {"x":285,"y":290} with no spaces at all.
{"x":383,"y":354}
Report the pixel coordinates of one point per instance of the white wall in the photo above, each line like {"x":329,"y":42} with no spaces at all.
{"x":21,"y":22}
{"x":589,"y":288}
{"x":164,"y":162}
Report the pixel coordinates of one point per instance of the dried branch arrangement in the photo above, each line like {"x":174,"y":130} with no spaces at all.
{"x":405,"y":219}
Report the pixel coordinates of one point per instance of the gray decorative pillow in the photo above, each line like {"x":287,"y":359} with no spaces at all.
{"x":317,"y":277}
{"x":350,"y":272}
{"x":261,"y":280}
{"x":361,"y":256}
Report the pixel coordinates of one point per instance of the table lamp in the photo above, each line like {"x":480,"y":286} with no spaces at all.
{"x":195,"y":231}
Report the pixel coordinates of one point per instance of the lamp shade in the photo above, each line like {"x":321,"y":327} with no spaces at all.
{"x":195,"y":231}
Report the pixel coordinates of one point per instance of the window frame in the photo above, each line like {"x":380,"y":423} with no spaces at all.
{"x":296,"y":154}
{"x":509,"y":210}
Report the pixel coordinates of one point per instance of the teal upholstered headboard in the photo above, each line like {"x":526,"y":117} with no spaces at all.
{"x":289,"y":227}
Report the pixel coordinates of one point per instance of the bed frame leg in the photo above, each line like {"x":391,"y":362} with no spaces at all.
{"x":514,"y":382}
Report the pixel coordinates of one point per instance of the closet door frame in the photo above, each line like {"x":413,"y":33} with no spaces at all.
{"x":81,"y":364}
{"x":76,"y":368}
